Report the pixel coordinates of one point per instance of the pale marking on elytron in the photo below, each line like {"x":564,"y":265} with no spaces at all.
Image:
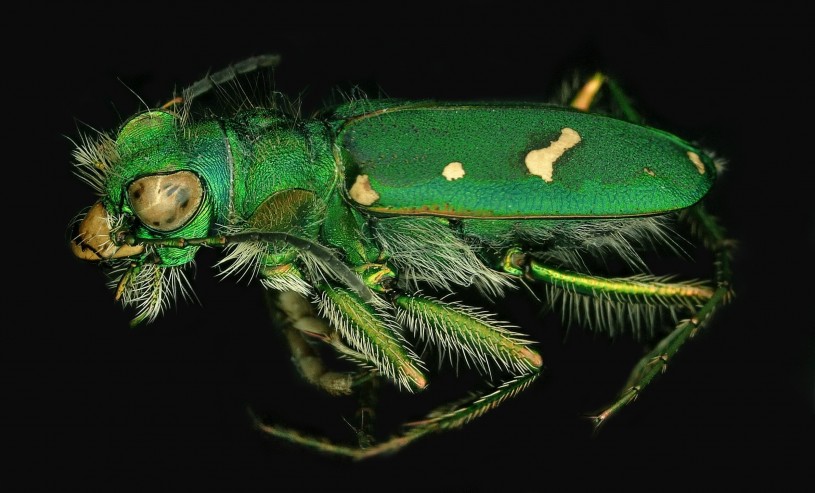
{"x":453,"y":171}
{"x":541,"y":162}
{"x":694,"y":158}
{"x":362,"y":192}
{"x":649,"y":171}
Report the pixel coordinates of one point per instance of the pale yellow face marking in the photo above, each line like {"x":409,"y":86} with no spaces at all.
{"x":453,"y":171}
{"x":362,"y":192}
{"x":694,"y":158}
{"x":93,"y":241}
{"x":541,"y":162}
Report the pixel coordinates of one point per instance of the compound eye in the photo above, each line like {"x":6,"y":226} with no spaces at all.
{"x":166,"y":202}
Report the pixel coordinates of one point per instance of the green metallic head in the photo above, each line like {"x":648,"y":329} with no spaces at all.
{"x":153,"y":191}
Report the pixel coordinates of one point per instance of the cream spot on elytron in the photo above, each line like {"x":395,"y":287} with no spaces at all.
{"x":649,"y":171}
{"x":541,"y":162}
{"x":362,"y":192}
{"x":453,"y":171}
{"x":694,"y":158}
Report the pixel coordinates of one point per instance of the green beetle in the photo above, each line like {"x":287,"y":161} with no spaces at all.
{"x":350,"y":218}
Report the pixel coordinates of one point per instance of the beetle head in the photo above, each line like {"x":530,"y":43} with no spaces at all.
{"x":151,"y":195}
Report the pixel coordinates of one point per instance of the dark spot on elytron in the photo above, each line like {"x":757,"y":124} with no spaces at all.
{"x":184,"y":204}
{"x":156,"y":223}
{"x":170,"y":219}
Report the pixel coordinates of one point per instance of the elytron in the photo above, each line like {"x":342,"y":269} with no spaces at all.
{"x":364,"y":222}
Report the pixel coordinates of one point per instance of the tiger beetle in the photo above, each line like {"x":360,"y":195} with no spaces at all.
{"x":365,"y":221}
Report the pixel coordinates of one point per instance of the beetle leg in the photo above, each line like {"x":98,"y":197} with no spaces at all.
{"x":476,"y":336}
{"x":702,"y":300}
{"x":447,"y":417}
{"x":655,"y":362}
{"x":608,"y":302}
{"x":587,"y":96}
{"x":376,"y":339}
{"x":473,"y":334}
{"x":298,"y":320}
{"x":369,"y":329}
{"x":713,"y":237}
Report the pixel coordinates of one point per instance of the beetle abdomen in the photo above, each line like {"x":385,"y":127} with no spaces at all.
{"x":504,"y":161}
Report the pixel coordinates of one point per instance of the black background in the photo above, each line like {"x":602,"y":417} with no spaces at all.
{"x":91,"y":403}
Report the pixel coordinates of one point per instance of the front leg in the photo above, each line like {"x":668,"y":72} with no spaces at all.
{"x":299,"y":323}
{"x":482,"y":341}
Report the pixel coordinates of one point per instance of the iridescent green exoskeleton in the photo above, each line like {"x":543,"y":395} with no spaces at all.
{"x":351,"y":218}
